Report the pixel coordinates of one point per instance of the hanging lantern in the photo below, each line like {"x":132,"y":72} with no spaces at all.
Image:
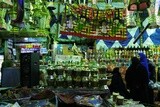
{"x":144,"y":4}
{"x":51,"y":6}
{"x":139,"y":5}
{"x":20,"y":13}
{"x":94,"y":1}
{"x":152,"y":16}
{"x":2,"y":20}
{"x":157,"y":11}
{"x":132,"y":5}
{"x":2,"y":24}
{"x":5,"y":3}
{"x":130,"y":19}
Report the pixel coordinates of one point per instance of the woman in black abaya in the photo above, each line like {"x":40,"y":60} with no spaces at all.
{"x":137,"y":81}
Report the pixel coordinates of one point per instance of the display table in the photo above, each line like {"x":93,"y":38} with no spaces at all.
{"x":126,"y":103}
{"x":82,"y":97}
{"x":59,"y":97}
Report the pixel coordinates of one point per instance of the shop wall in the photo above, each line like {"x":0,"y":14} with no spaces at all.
{"x":149,"y":38}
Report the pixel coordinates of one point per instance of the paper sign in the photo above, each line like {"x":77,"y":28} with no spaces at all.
{"x":67,"y":58}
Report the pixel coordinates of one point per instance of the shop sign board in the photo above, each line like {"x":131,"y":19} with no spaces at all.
{"x":67,"y":58}
{"x":30,"y":48}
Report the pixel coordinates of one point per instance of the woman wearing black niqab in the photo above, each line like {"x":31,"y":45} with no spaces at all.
{"x":137,"y":81}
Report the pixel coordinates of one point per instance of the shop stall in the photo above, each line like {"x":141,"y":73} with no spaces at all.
{"x":64,"y":51}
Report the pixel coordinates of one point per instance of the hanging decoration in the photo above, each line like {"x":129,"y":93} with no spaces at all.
{"x":40,"y":15}
{"x":92,"y":22}
{"x":20,"y":14}
{"x":157,"y":11}
{"x":5,"y":4}
{"x":31,"y":19}
{"x":141,"y":13}
{"x":2,"y":19}
{"x":131,"y":19}
{"x":53,"y":18}
{"x":138,"y":5}
{"x":152,"y":15}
